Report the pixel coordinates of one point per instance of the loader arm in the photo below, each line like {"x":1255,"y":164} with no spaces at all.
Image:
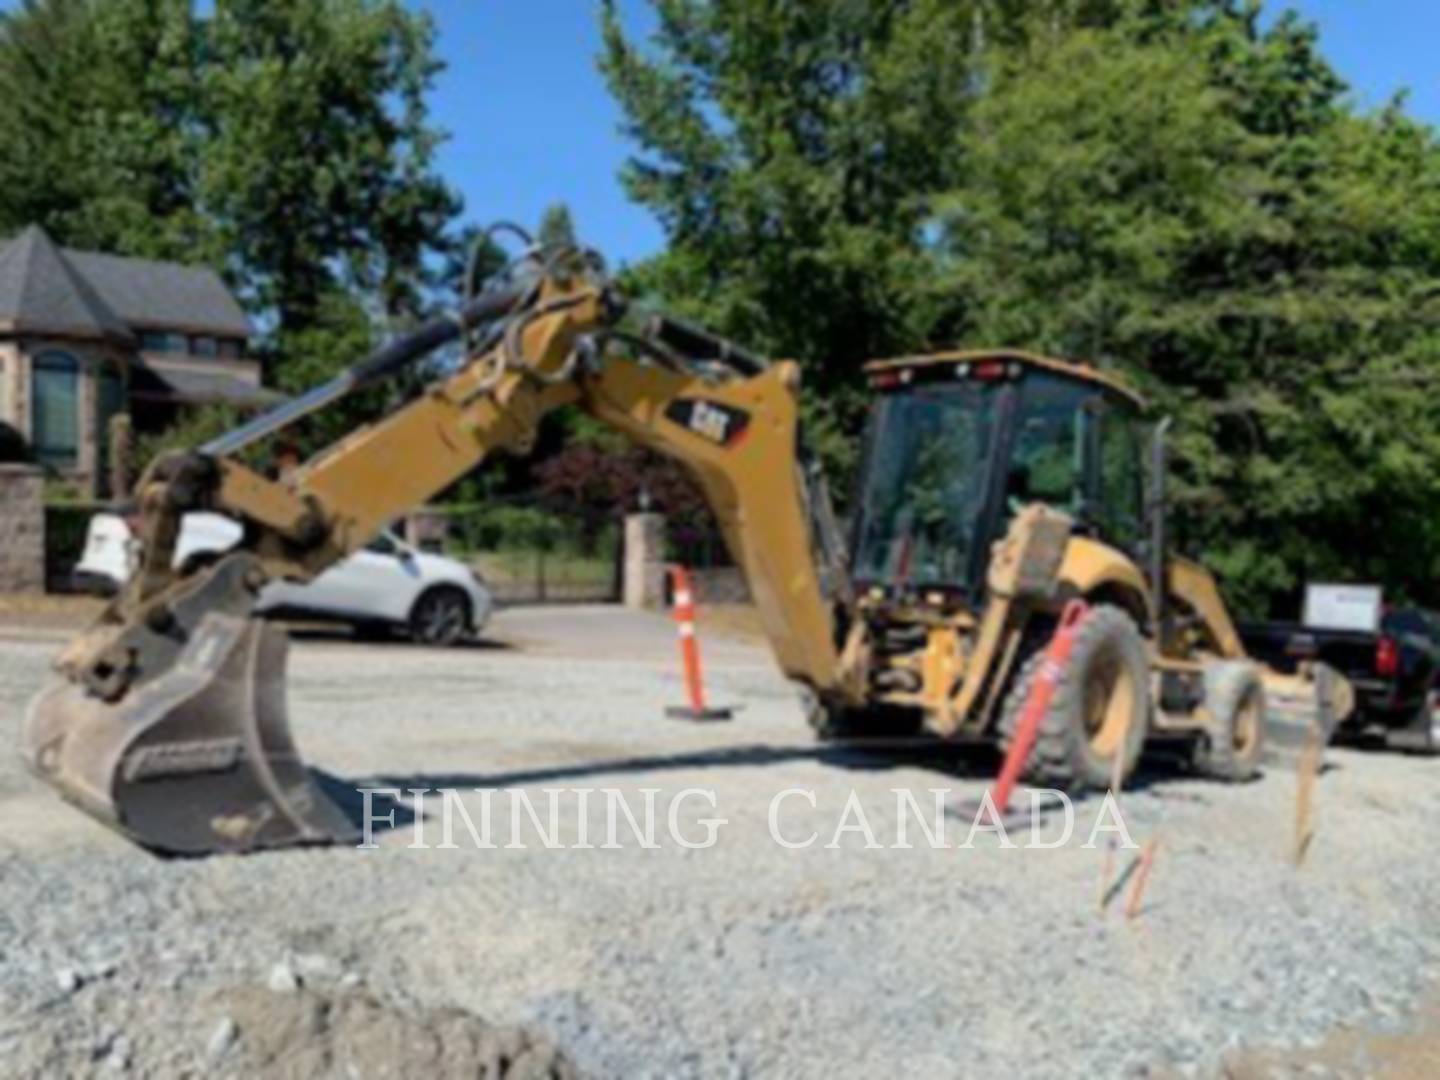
{"x":170,"y":722}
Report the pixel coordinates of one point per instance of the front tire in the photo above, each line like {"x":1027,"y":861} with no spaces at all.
{"x":1100,"y":708}
{"x":440,"y":617}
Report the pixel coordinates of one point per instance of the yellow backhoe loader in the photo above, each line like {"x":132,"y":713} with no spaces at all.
{"x":996,"y":486}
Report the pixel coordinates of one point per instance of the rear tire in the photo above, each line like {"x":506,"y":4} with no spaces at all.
{"x":1235,"y":741}
{"x":440,"y":617}
{"x":1422,"y":735}
{"x":1100,"y":708}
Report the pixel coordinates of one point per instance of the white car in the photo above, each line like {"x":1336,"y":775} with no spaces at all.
{"x":388,"y":583}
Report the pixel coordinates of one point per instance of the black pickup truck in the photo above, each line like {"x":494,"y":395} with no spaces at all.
{"x":1395,"y":672}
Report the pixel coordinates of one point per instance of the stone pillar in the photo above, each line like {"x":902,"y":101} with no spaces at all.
{"x":644,"y":579}
{"x":22,"y":529}
{"x":122,"y":443}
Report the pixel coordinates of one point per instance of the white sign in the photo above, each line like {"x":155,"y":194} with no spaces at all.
{"x":1343,"y":607}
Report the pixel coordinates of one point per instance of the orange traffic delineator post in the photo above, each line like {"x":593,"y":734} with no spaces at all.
{"x":684,"y":606}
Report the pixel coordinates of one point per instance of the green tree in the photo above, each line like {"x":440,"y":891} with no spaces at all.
{"x":99,"y":120}
{"x":1260,"y":259}
{"x":319,"y":165}
{"x":787,"y":149}
{"x":557,"y":228}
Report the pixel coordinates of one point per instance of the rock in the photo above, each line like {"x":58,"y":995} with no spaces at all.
{"x":316,"y":966}
{"x":118,"y":1059}
{"x":283,"y":979}
{"x":102,"y":969}
{"x":221,"y":1039}
{"x":68,"y":980}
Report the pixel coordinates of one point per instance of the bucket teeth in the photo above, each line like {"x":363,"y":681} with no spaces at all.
{"x":197,"y":759}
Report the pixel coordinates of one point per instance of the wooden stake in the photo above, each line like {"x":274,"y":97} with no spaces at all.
{"x":1307,"y":772}
{"x":1117,"y":780}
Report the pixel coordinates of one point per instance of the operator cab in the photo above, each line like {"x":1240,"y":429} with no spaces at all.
{"x":958,"y":443}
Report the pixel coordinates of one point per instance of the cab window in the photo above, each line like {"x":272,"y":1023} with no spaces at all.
{"x":1048,"y":455}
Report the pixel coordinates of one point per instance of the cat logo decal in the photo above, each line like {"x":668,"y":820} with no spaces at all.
{"x":720,"y":424}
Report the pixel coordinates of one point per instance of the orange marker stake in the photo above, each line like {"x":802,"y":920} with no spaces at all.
{"x":1142,"y":876}
{"x":1107,"y":870}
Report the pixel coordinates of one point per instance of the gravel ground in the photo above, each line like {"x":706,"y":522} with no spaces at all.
{"x":742,"y":959}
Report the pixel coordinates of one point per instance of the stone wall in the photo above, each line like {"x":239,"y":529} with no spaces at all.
{"x":22,"y":529}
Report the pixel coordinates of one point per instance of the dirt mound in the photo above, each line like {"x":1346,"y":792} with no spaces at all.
{"x":312,"y":1033}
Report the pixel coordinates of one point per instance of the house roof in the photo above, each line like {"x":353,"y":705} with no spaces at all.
{"x":46,"y":288}
{"x":198,"y":387}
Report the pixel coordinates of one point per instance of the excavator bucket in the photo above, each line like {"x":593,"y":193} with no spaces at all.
{"x":199,"y":759}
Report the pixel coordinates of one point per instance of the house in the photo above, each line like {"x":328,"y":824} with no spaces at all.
{"x":84,"y":336}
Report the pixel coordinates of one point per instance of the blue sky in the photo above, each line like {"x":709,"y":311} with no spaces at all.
{"x":531,"y":122}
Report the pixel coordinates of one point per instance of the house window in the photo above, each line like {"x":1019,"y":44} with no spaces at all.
{"x":203,"y":346}
{"x":230,"y":349}
{"x":162,"y":341}
{"x":55,"y":409}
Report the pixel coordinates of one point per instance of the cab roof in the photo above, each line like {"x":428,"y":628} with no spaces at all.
{"x":1076,"y":370}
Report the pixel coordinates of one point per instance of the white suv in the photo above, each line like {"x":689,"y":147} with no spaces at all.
{"x":438,"y":600}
